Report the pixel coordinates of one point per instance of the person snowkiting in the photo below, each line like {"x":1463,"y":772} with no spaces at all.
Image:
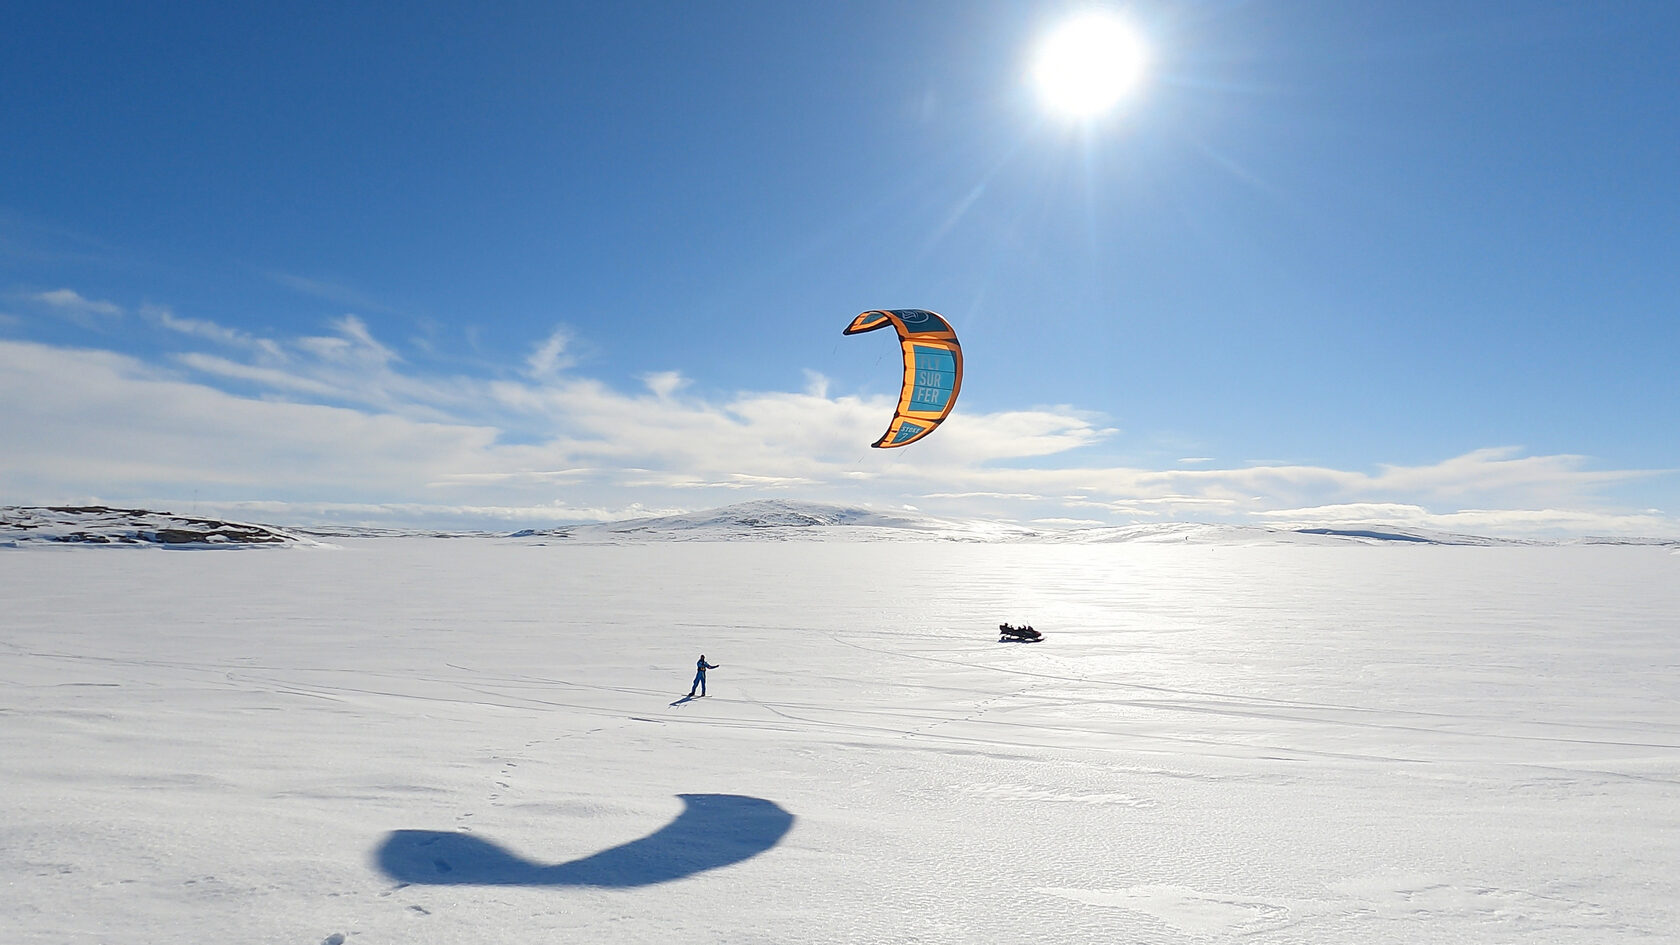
{"x":700,"y":668}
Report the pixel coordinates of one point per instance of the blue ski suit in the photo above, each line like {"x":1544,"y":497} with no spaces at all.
{"x":700,"y":667}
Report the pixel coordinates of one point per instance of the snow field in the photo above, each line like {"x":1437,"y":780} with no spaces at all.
{"x":1266,"y":744}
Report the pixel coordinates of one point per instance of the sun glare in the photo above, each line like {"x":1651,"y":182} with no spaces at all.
{"x":1088,"y":64}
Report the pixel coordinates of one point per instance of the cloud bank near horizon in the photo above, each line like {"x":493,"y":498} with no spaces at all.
{"x":341,"y":427}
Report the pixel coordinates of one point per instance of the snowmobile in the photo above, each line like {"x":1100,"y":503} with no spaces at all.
{"x":1007,"y":633}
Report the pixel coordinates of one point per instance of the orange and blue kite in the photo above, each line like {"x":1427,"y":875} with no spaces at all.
{"x":933,"y":367}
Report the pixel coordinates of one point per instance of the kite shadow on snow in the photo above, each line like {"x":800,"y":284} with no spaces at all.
{"x":713,"y":830}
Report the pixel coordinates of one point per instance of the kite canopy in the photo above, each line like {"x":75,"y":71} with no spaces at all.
{"x":933,"y":367}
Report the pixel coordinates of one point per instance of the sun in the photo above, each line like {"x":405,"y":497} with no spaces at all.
{"x":1088,"y":64}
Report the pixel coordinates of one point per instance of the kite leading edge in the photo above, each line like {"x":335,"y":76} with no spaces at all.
{"x":933,"y":367}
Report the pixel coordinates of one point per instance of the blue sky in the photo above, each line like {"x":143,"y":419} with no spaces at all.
{"x":1414,"y":263}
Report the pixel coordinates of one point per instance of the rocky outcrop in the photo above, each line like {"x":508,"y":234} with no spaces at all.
{"x":99,"y":525}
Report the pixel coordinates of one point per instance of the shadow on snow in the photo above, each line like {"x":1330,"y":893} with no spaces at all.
{"x":713,"y":830}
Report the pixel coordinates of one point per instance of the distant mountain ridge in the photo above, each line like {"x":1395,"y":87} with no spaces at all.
{"x":776,"y":519}
{"x":762,"y":520}
{"x":779,"y":519}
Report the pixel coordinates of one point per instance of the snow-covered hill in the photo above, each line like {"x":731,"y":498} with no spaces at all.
{"x":782,"y":520}
{"x":98,"y":525}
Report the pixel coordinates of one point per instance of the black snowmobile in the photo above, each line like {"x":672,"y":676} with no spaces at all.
{"x":1008,"y":634}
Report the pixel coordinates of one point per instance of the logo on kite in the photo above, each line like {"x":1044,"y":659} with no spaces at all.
{"x":933,"y":368}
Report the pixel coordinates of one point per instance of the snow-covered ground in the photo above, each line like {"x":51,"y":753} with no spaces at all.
{"x":415,"y":740}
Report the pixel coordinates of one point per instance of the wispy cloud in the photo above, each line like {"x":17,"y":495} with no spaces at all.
{"x":267,"y":377}
{"x":342,"y":420}
{"x":348,"y":366}
{"x":211,"y":331}
{"x":72,"y":304}
{"x":352,"y":345}
{"x":549,"y":358}
{"x":1502,"y":470}
{"x":408,"y":514}
{"x":665,"y":383}
{"x":125,"y":426}
{"x":520,"y":475}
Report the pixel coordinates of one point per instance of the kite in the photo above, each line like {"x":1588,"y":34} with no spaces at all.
{"x":933,"y":367}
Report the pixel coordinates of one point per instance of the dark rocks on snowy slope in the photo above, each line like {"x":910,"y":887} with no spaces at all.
{"x":100,"y":525}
